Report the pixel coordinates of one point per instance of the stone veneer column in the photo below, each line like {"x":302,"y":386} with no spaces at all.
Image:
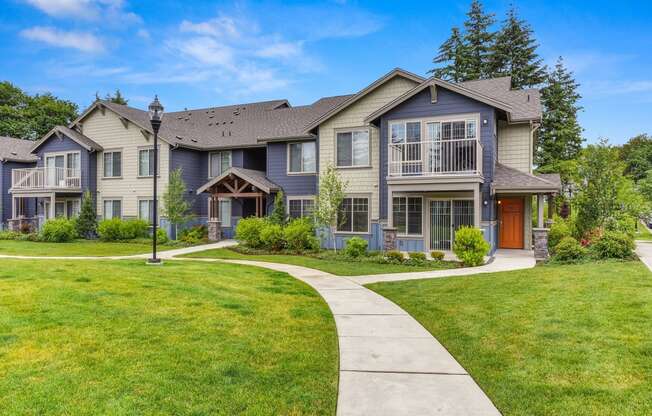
{"x":389,"y":239}
{"x":214,"y":231}
{"x":540,"y":243}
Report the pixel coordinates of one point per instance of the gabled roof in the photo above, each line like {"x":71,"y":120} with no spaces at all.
{"x":73,"y":135}
{"x":508,"y":179}
{"x":397,"y":72}
{"x":520,"y":105}
{"x":16,"y":150}
{"x":254,"y":177}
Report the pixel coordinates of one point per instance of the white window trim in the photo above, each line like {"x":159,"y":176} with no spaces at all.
{"x":158,"y":154}
{"x":369,"y":210}
{"x":298,"y":198}
{"x":104,"y":200}
{"x":121,"y":163}
{"x":65,"y":157}
{"x":406,"y":213}
{"x":210,"y":158}
{"x":452,"y":118}
{"x":302,"y":172}
{"x":352,"y":130}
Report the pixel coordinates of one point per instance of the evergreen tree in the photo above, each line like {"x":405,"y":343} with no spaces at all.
{"x":278,"y":213}
{"x":175,"y":205}
{"x":117,"y":97}
{"x":478,"y":42}
{"x":86,"y":223}
{"x":514,"y":53}
{"x":452,"y":54}
{"x":560,"y":135}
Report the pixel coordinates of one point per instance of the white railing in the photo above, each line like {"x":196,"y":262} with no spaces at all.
{"x":434,"y":158}
{"x":45,"y":178}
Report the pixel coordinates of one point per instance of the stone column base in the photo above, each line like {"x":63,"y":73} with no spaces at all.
{"x":540,"y":243}
{"x":214,"y":231}
{"x":389,"y":239}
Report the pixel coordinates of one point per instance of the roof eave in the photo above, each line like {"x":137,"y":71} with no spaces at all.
{"x":287,"y":138}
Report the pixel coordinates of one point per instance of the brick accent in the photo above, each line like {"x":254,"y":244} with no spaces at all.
{"x":389,"y":239}
{"x":214,"y":231}
{"x":540,"y":243}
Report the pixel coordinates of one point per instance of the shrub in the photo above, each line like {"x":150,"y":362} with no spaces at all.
{"x":272,"y":237}
{"x":417,"y":255}
{"x":356,"y":247}
{"x":299,"y":235}
{"x":28,"y":237}
{"x":162,"y":236}
{"x":58,"y":230}
{"x":109,"y":230}
{"x":9,"y":235}
{"x":437,"y":255}
{"x":116,"y":229}
{"x":194,"y":235}
{"x":558,"y":231}
{"x":248,"y":231}
{"x":395,"y":256}
{"x":613,"y":245}
{"x":622,"y":223}
{"x":569,"y":250}
{"x":470,"y":246}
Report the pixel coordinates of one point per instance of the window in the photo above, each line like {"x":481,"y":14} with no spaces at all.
{"x":407,"y":215}
{"x":72,"y":161}
{"x":302,"y":157}
{"x":112,"y":209}
{"x":298,"y":208}
{"x":145,"y":209}
{"x":354,"y":215}
{"x":112,"y":164}
{"x":353,"y":148}
{"x":220,"y":211}
{"x":219,"y":162}
{"x":146,"y":162}
{"x":72,"y":208}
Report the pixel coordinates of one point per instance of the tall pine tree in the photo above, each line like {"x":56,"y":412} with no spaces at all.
{"x":560,"y":135}
{"x":452,"y":55}
{"x":514,"y":53}
{"x":478,"y":41}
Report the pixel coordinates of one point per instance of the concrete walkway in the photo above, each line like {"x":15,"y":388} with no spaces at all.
{"x":644,"y":252}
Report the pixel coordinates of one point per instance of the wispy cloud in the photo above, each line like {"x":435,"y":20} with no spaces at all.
{"x":82,"y":41}
{"x":110,"y":11}
{"x":617,"y":87}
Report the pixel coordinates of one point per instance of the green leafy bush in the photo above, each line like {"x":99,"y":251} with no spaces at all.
{"x":622,"y":223}
{"x":569,"y":250}
{"x":116,"y":229}
{"x":299,"y":235}
{"x":558,"y":231}
{"x":9,"y":235}
{"x":356,"y":247}
{"x":162,"y":236}
{"x":194,"y":235}
{"x":394,"y":256}
{"x":28,"y":237}
{"x":248,"y":231}
{"x":272,"y":237}
{"x":437,"y":255}
{"x":613,"y":245}
{"x":58,"y":230}
{"x":417,"y":255}
{"x":470,"y":247}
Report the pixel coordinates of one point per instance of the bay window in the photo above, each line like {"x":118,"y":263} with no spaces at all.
{"x":352,"y":148}
{"x":353,"y":216}
{"x":407,"y":215}
{"x":302,"y":157}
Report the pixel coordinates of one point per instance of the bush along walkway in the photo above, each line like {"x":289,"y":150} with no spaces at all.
{"x":389,"y":364}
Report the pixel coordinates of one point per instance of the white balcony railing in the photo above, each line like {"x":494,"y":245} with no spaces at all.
{"x":45,"y":178}
{"x":435,"y":158}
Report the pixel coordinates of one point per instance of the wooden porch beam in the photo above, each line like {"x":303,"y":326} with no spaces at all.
{"x":238,"y":195}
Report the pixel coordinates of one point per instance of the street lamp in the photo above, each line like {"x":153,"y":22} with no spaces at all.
{"x":155,"y":116}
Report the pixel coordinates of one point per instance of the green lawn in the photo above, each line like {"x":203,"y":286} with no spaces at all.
{"x":339,"y":267}
{"x":556,"y":340}
{"x":78,"y":248}
{"x":124,"y":338}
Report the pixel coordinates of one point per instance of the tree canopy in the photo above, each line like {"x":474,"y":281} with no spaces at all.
{"x":637,"y":155}
{"x":25,"y":116}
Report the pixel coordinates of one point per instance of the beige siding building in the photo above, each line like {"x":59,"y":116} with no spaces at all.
{"x":515,"y":146}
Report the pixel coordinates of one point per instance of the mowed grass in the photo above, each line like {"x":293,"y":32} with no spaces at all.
{"x":336,"y":266}
{"x":77,"y":248}
{"x":554,"y":340}
{"x":186,"y":338}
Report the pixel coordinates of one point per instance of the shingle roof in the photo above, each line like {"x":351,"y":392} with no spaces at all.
{"x":509,"y":179}
{"x":254,"y":177}
{"x":239,"y":125}
{"x":16,"y":150}
{"x":525,"y":104}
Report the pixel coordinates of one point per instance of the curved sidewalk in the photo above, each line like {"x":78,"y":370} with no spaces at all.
{"x":389,"y":364}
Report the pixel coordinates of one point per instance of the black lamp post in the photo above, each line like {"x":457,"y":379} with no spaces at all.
{"x":155,"y":116}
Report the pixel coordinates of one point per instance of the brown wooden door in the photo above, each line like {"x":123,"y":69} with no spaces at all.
{"x":511,"y":223}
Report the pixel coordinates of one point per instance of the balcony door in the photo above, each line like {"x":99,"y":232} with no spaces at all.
{"x":54,"y":169}
{"x":446,"y":217}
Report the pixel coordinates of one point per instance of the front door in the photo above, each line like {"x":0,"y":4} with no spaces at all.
{"x":511,"y":222}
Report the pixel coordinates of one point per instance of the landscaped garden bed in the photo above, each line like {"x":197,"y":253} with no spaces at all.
{"x":120,"y":337}
{"x":554,"y":340}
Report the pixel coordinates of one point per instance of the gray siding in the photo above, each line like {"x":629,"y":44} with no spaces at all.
{"x":5,"y":184}
{"x":194,"y":167}
{"x":448,"y":103}
{"x":277,"y":173}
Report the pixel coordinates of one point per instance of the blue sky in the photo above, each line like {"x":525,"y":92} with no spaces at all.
{"x":206,"y":53}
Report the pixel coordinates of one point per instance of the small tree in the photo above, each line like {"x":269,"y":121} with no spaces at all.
{"x":278,"y":213}
{"x":86,"y":223}
{"x":175,"y":206}
{"x":331,"y":193}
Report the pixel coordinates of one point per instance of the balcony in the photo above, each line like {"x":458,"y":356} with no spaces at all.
{"x":46,"y":179}
{"x":435,"y":158}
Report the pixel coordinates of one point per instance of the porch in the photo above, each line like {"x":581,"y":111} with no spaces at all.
{"x":29,"y":210}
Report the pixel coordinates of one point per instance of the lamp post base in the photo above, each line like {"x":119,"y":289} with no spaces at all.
{"x":154,"y":262}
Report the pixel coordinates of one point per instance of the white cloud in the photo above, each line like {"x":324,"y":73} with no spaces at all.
{"x":82,"y":41}
{"x":143,"y":33}
{"x":110,"y":11}
{"x":280,"y":50}
{"x":61,"y":8}
{"x":206,"y":50}
{"x":222,"y":26}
